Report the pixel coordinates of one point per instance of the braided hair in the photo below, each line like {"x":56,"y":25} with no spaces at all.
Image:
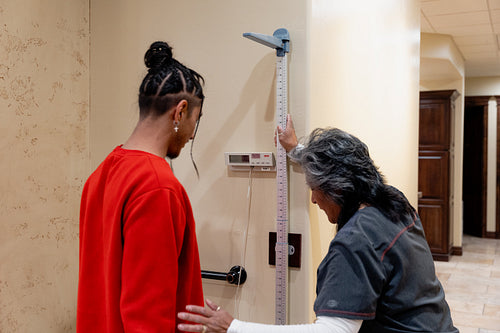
{"x":167,"y":83}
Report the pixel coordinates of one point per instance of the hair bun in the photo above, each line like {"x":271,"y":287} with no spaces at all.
{"x":158,"y":55}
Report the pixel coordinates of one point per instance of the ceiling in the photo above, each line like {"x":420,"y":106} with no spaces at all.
{"x":474,"y":25}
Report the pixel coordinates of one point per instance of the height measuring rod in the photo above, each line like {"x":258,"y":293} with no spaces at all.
{"x":280,"y":41}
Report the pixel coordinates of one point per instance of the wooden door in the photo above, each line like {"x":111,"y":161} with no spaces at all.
{"x":434,"y":169}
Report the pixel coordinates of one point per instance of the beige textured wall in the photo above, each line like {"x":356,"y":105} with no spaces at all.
{"x":44,"y":95}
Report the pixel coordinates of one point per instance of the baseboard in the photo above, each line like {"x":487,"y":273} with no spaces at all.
{"x":456,"y":251}
{"x":492,"y":234}
{"x":440,"y":257}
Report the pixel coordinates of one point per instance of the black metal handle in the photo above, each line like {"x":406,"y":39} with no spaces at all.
{"x":236,"y":275}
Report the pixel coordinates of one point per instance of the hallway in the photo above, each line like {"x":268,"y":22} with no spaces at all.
{"x":472,"y":285}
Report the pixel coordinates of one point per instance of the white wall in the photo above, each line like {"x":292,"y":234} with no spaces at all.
{"x":491,"y":187}
{"x":482,"y":86}
{"x":352,"y":65}
{"x":365,"y":77}
{"x":238,"y":116}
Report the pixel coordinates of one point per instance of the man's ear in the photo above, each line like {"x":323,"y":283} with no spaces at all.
{"x":181,"y":110}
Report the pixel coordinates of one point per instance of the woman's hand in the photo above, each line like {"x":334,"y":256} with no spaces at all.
{"x":210,"y":319}
{"x":287,"y":137}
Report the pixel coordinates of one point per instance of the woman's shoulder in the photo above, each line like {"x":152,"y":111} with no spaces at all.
{"x":369,"y":226}
{"x":364,"y":220}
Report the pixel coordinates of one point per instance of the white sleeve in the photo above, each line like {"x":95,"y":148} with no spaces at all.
{"x":323,"y":324}
{"x":293,"y":154}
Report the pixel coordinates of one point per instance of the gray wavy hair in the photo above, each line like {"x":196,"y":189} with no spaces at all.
{"x":339,"y":165}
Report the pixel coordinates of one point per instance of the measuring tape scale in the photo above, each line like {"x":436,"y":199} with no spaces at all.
{"x":280,"y":41}
{"x":282,"y":197}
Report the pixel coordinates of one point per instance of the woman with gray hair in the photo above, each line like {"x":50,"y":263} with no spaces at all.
{"x":378,"y":274}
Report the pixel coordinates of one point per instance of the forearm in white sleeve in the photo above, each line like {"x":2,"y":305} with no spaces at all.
{"x":294,"y":153}
{"x":323,"y":324}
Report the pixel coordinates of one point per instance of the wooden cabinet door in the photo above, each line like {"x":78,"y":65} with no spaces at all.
{"x":434,"y":168}
{"x":434,"y":125}
{"x":433,"y":204}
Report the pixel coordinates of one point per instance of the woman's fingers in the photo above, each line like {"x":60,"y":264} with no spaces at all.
{"x":190,"y":328}
{"x":192,"y":317}
{"x":212,"y":305}
{"x":287,"y":137}
{"x":289,"y":122}
{"x":212,"y":319}
{"x":198,"y":309}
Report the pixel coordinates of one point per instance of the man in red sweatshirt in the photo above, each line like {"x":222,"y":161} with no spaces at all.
{"x":139,"y":262}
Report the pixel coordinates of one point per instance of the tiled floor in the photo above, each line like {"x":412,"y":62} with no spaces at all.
{"x":472,"y":285}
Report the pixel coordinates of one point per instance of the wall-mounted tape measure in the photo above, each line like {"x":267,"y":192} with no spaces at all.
{"x":280,"y":41}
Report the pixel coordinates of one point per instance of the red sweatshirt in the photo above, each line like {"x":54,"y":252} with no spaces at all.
{"x":139,"y":262}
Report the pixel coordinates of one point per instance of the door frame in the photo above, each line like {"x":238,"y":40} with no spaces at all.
{"x":483,"y":101}
{"x":497,"y":231}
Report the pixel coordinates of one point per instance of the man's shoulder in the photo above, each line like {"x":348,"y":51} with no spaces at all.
{"x":134,"y":171}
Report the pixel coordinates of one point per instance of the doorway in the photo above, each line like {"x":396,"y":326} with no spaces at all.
{"x":475,"y":173}
{"x":474,"y":193}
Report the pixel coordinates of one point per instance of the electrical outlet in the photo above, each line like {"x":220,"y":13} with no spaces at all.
{"x":294,"y":249}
